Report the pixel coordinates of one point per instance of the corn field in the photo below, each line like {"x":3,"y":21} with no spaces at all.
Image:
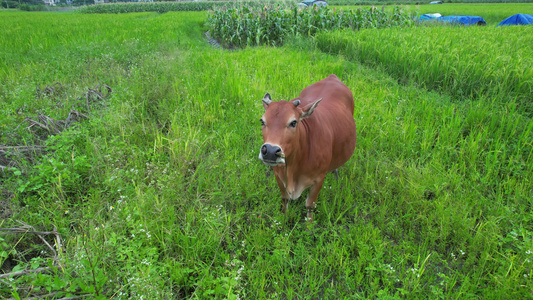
{"x":250,"y":26}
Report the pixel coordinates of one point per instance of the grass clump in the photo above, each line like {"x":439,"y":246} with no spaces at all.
{"x":270,"y":25}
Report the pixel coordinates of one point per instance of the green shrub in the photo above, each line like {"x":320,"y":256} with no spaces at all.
{"x":28,"y":7}
{"x":10,"y":4}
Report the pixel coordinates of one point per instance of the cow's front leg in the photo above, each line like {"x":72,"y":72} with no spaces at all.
{"x":284,"y":205}
{"x":310,"y":202}
{"x":284,"y":195}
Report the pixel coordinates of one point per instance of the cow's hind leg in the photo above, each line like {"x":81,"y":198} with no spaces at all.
{"x":310,"y":202}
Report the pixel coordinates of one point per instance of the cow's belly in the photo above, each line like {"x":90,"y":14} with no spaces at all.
{"x":340,"y":158}
{"x":344,"y":145}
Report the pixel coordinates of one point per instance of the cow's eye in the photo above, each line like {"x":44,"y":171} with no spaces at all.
{"x":262,"y":122}
{"x":293,"y":124}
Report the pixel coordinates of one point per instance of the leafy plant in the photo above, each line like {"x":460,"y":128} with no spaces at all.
{"x":5,"y":251}
{"x":64,"y":171}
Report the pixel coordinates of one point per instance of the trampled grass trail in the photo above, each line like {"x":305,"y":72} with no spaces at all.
{"x":159,"y":194}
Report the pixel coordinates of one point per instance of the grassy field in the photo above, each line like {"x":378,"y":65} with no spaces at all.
{"x":157,"y":192}
{"x":466,"y":62}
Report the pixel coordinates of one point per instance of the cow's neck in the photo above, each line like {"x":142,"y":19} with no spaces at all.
{"x":291,"y":173}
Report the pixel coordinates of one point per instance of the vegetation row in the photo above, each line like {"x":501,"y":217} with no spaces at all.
{"x":166,"y":6}
{"x":28,"y":7}
{"x":249,"y":26}
{"x":161,"y":7}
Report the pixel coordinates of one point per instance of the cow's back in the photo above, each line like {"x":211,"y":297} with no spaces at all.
{"x":332,"y":122}
{"x":331,"y":90}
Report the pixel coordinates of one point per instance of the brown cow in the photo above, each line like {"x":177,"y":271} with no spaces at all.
{"x":304,"y":140}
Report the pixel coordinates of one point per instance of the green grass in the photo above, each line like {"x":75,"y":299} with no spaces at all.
{"x":160,"y":194}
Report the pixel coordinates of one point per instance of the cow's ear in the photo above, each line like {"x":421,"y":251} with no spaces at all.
{"x":267,"y":100}
{"x":308,"y":110}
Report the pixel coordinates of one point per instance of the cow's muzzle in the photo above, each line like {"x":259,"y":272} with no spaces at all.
{"x":271,"y":155}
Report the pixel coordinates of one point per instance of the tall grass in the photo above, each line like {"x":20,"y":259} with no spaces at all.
{"x":159,"y":194}
{"x":464,"y":62}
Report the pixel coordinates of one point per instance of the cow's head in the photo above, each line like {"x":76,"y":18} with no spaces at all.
{"x":280,"y":128}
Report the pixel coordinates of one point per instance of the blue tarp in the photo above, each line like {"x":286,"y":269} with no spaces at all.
{"x":518,"y":19}
{"x":464,"y":20}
